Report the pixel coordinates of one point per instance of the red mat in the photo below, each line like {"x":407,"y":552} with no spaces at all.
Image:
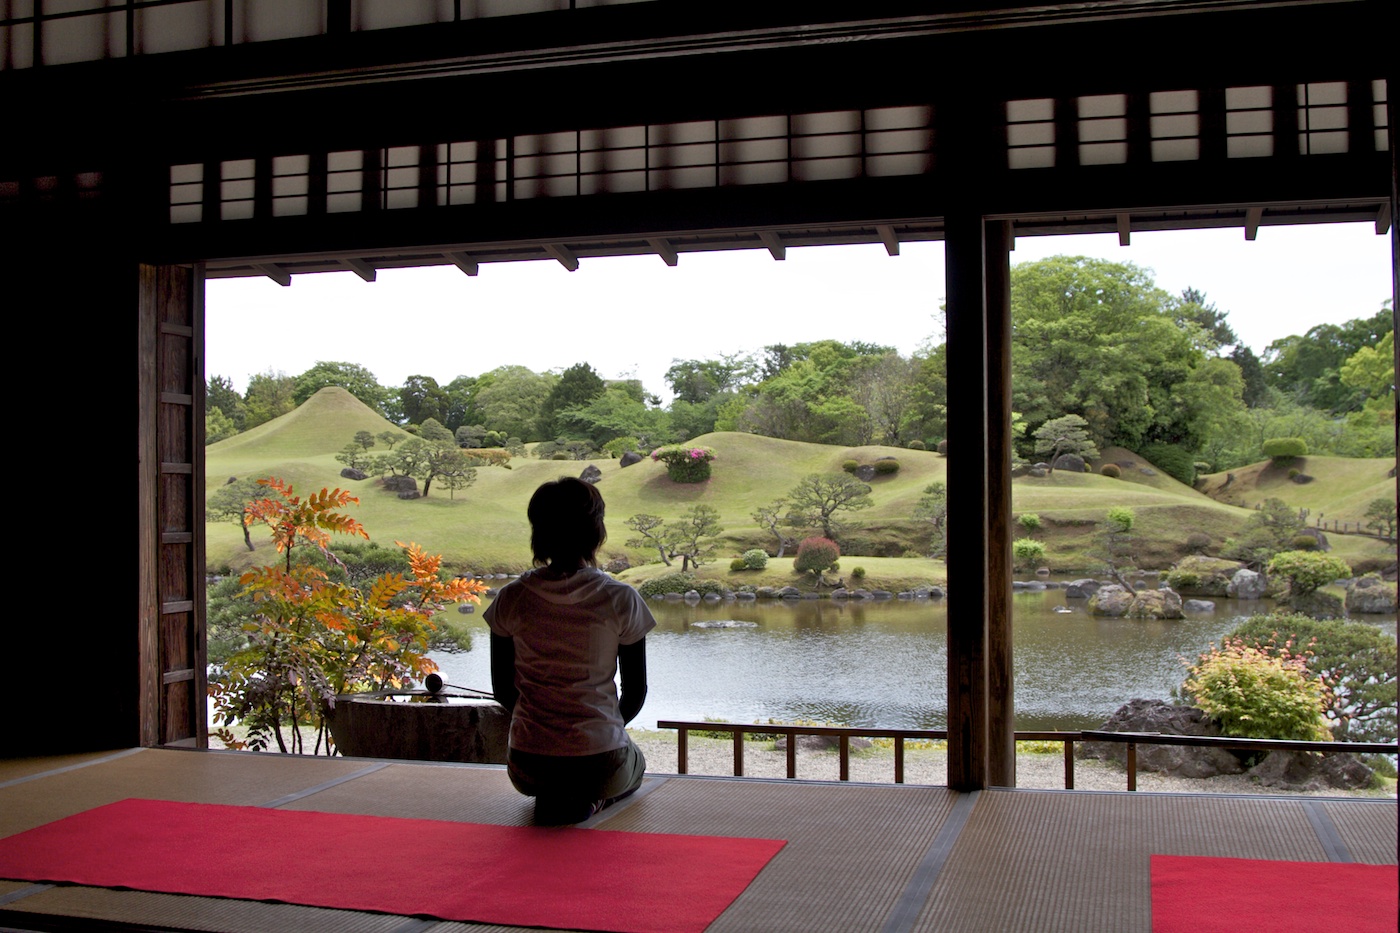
{"x":570,"y":878}
{"x":1226,"y":895}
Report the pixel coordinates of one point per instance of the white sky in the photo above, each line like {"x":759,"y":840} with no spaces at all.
{"x":631,"y":316}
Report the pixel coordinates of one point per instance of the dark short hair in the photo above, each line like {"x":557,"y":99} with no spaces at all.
{"x":566,"y":522}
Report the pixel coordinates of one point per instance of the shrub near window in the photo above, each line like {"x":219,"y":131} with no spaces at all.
{"x":1258,"y":695}
{"x":684,"y":463}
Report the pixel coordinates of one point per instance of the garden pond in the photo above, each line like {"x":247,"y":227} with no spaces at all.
{"x":883,"y":663}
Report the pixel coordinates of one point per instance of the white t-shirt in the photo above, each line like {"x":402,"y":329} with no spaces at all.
{"x":566,"y":633}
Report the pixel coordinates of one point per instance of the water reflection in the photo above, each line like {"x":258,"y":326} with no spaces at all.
{"x":884,"y":663}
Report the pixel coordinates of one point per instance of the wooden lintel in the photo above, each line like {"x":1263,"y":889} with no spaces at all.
{"x":1252,"y":216}
{"x":275,"y":272}
{"x":361,"y":268}
{"x":176,"y":467}
{"x":774,"y":244}
{"x":178,"y":677}
{"x":176,"y":398}
{"x":1125,"y":230}
{"x":665,"y":250}
{"x":178,"y":330}
{"x":889,"y":238}
{"x":465,"y":262}
{"x":177,"y":537}
{"x":1383,"y":218}
{"x":177,"y":606}
{"x":562,"y":253}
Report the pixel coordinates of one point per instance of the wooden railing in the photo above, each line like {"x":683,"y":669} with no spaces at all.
{"x":844,"y":734}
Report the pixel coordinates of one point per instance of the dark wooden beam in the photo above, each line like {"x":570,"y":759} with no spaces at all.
{"x":276,"y":273}
{"x":562,"y":253}
{"x":664,"y":249}
{"x":774,"y":243}
{"x":1001,"y":694}
{"x":1252,"y":216}
{"x":889,"y":238}
{"x":464,"y":261}
{"x":361,"y":268}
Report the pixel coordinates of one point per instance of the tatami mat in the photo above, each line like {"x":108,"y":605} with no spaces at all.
{"x":1044,"y":861}
{"x":859,"y":857}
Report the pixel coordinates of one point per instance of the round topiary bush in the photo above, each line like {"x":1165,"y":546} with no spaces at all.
{"x":1304,"y":543}
{"x":755,"y":559}
{"x":943,"y":448}
{"x":1198,"y":541}
{"x":887,"y":466}
{"x":1029,"y":521}
{"x":1028,"y":552}
{"x":684,"y":463}
{"x":850,"y":466}
{"x":917,"y":444}
{"x":1285,"y":448}
{"x":1111,"y":470}
{"x":1171,"y":460}
{"x":815,"y":555}
{"x":738,"y":564}
{"x":858,"y":573}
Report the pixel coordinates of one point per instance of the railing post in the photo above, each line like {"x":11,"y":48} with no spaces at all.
{"x":792,"y":754}
{"x":899,"y":759}
{"x":682,"y":751}
{"x":739,"y":753}
{"x":845,"y":757}
{"x":1069,"y":764}
{"x":1132,"y":766}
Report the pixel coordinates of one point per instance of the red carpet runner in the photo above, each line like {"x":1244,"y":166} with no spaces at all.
{"x":1206,"y":895}
{"x":589,"y":879}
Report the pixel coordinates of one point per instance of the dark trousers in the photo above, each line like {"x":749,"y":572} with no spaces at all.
{"x":603,"y":776}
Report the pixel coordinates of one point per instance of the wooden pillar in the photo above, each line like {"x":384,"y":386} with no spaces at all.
{"x":967,"y":503}
{"x":1001,"y":716}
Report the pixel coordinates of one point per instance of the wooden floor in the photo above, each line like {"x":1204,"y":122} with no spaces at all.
{"x":885,"y":858}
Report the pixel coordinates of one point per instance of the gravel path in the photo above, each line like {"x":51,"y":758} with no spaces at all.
{"x":930,"y":766}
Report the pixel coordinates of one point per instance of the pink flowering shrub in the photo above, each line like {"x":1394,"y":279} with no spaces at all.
{"x":685,"y":463}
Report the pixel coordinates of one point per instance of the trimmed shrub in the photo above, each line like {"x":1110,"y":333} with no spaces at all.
{"x":684,"y":463}
{"x":850,"y":466}
{"x":1202,"y":467}
{"x":559,"y":455}
{"x":917,"y":444}
{"x":1305,"y":571}
{"x":1029,"y":521}
{"x":679,"y":582}
{"x":1304,"y":543}
{"x":815,"y":555}
{"x":755,"y":559}
{"x":1281,"y":449}
{"x":1171,"y":460}
{"x":858,"y":573}
{"x":618,"y":446}
{"x":1258,"y":695}
{"x":1198,"y":541}
{"x":1111,"y":470}
{"x":1355,"y":659}
{"x":887,"y":466}
{"x":1028,"y":551}
{"x":738,"y":564}
{"x":943,"y":448}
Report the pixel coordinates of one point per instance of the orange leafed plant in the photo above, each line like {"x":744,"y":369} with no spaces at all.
{"x":313,"y":637}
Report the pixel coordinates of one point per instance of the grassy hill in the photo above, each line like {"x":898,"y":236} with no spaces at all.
{"x":484,"y":528}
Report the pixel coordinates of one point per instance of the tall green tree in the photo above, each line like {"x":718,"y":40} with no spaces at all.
{"x":352,"y":377}
{"x":1098,"y":339}
{"x":1308,"y":367}
{"x":510,"y":401}
{"x":576,"y":386}
{"x":421,"y":398}
{"x":1067,"y":434}
{"x":269,"y":396}
{"x":220,"y":394}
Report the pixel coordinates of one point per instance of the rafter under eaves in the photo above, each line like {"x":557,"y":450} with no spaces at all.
{"x":1252,"y":217}
{"x":889,"y":238}
{"x":275,"y":272}
{"x":665,"y":250}
{"x":562,"y":253}
{"x":361,"y":268}
{"x":774,"y":244}
{"x":465,"y":262}
{"x":1125,"y":230}
{"x":1383,"y":219}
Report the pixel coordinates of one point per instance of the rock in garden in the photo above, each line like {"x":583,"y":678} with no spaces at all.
{"x":865,"y":472}
{"x":1306,"y":771}
{"x":1371,"y":596}
{"x":466,"y":609}
{"x":789,"y":592}
{"x":840,"y":593}
{"x":352,"y":473}
{"x":400,"y":483}
{"x":1247,"y":584}
{"x":1168,"y":719}
{"x":1112,"y":600}
{"x":766,"y":592}
{"x":630,"y":458}
{"x":1199,"y":575}
{"x":881,"y":594}
{"x":1081,"y":589}
{"x":591,"y":474}
{"x":1070,"y":463}
{"x":1117,"y":602}
{"x":617,"y":565}
{"x":1198,"y":605}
